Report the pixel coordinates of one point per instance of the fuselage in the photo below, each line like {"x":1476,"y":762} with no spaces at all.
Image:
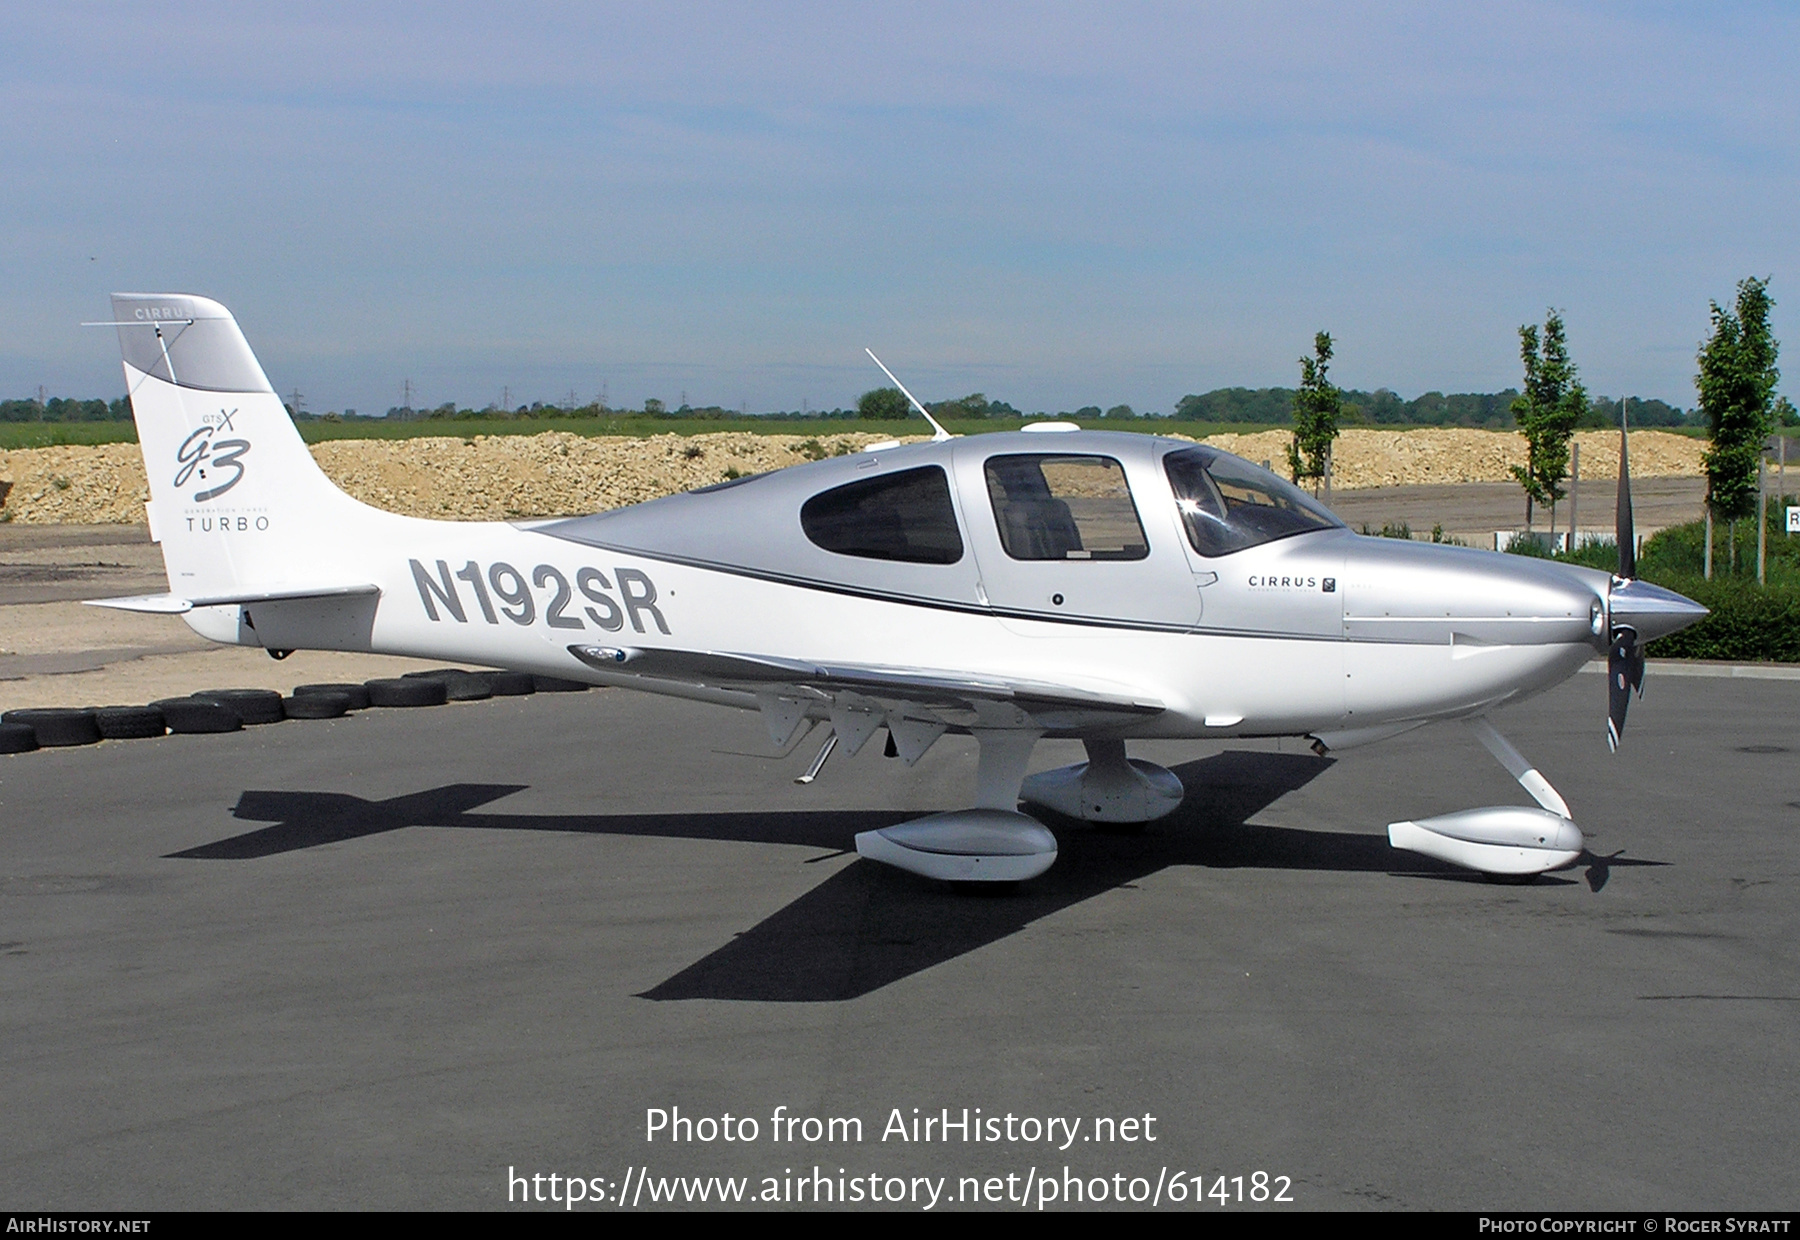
{"x":1089,"y":558}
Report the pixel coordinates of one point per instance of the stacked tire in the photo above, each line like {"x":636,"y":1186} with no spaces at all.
{"x":191,"y":715}
{"x":230,"y":710}
{"x":56,"y":726}
{"x":407,"y":691}
{"x":130,"y":723}
{"x":461,"y":685}
{"x":355,"y":695}
{"x":253,"y":706}
{"x":319,"y":703}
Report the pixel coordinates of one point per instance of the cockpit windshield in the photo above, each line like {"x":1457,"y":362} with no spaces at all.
{"x":1228,"y":504}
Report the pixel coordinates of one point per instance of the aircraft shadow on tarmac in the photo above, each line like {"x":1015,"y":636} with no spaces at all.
{"x":867,"y":926}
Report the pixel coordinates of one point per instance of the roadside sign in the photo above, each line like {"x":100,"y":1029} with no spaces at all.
{"x":1793,"y":520}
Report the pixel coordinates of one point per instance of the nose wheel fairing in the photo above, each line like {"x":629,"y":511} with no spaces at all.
{"x":1501,"y":840}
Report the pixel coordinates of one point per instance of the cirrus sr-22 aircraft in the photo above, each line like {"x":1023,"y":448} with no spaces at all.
{"x":1051,"y":582}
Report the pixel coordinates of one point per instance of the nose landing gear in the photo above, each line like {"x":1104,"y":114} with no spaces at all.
{"x":1502,"y":842}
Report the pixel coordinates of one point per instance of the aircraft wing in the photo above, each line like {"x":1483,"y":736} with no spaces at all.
{"x":956,"y":698}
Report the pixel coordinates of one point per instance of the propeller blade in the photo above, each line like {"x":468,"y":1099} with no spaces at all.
{"x":1624,"y":673}
{"x":1626,"y":536}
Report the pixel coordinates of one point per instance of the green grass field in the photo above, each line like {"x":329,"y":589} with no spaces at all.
{"x":51,"y":434}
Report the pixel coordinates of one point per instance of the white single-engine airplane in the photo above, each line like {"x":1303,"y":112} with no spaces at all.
{"x":1050,"y":582}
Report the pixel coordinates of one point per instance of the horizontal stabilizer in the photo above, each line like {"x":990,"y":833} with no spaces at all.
{"x":175,"y":605}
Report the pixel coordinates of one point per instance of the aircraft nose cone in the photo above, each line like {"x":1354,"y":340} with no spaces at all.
{"x":1650,"y":610}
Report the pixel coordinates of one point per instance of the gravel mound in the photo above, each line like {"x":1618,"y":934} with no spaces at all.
{"x":1437,"y":455}
{"x":501,"y":477}
{"x":505,"y":477}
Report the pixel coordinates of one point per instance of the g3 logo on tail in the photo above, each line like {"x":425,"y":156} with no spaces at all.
{"x":201,"y":451}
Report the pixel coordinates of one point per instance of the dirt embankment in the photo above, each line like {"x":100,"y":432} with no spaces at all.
{"x":1368,"y":458}
{"x":502,"y":477}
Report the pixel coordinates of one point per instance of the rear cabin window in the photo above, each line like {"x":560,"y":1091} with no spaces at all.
{"x":1064,"y":508}
{"x":905,"y":516}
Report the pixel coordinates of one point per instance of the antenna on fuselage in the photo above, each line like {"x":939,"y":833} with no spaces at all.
{"x":941,"y":434}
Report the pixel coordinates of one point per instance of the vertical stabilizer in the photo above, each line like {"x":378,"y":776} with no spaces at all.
{"x":236,"y":500}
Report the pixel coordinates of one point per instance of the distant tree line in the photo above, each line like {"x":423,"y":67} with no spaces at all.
{"x":890,"y":404}
{"x":1270,"y":406}
{"x":449,"y":411}
{"x":1384,"y":408}
{"x":59,"y":409}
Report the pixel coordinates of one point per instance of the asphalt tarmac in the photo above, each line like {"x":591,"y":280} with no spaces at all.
{"x":1473,"y":511}
{"x":398,"y":960}
{"x":55,"y":651}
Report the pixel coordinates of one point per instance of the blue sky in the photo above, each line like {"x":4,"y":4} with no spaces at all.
{"x":1054,"y":204}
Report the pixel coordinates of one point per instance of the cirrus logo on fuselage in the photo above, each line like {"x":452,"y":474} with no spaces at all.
{"x":1269,"y":581}
{"x":204,"y":450}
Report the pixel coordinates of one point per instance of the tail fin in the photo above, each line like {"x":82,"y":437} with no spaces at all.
{"x":236,"y":500}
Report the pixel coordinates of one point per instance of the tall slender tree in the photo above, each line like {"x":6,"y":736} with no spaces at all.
{"x":1736,"y":383}
{"x":1547,"y":411}
{"x":1317,"y":404}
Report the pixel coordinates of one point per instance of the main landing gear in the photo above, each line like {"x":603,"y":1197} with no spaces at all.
{"x":994,"y":842}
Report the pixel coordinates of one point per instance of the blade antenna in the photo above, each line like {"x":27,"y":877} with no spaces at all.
{"x":1624,"y":532}
{"x":940,"y":433}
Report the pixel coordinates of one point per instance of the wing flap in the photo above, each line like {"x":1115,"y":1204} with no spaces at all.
{"x":923,"y":686}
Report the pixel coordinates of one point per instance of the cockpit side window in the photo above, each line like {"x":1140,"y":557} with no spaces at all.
{"x":905,"y":516}
{"x":1064,"y":508}
{"x":1228,"y":504}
